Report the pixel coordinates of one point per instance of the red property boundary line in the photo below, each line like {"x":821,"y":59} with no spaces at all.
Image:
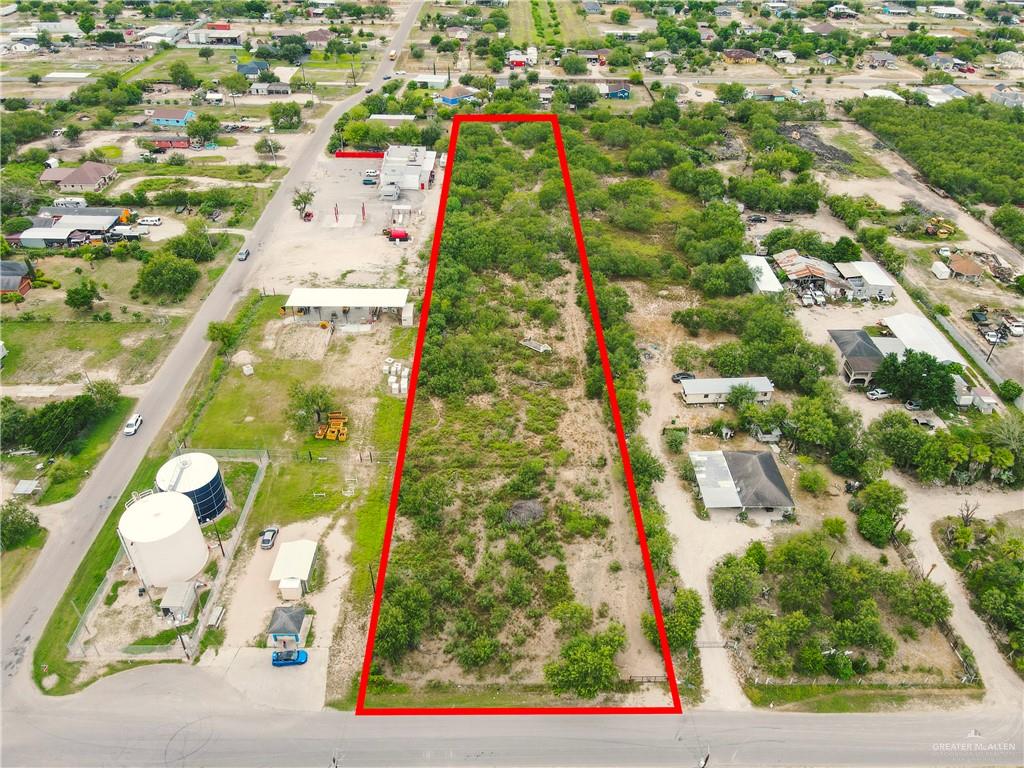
{"x":361,"y":708}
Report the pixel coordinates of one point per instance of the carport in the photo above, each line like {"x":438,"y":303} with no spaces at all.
{"x":347,"y":306}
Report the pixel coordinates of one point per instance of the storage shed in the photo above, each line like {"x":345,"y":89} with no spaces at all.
{"x":940,"y":270}
{"x":179,"y":600}
{"x":292,"y":568}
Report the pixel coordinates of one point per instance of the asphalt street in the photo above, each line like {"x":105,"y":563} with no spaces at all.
{"x":178,"y":715}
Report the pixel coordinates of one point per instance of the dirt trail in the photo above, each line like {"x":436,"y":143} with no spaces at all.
{"x":927,"y":504}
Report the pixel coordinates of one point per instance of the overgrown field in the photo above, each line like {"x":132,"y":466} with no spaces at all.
{"x":515,"y":557}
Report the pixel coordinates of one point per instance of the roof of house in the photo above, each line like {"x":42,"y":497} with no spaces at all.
{"x":717,"y":386}
{"x":294,"y":560}
{"x":457,"y":91}
{"x":88,"y":172}
{"x":286,"y":620}
{"x":917,"y":333}
{"x":823,"y":29}
{"x":858,"y":349}
{"x":13,"y":268}
{"x":279,"y":88}
{"x":869,"y":271}
{"x":738,"y":53}
{"x":11,"y":282}
{"x":55,"y":174}
{"x":319,"y":36}
{"x":391,"y":298}
{"x":796,"y":266}
{"x":745,"y":479}
{"x":171,"y":113}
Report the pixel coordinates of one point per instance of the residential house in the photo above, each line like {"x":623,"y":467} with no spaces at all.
{"x":723,"y":11}
{"x":880,"y":59}
{"x":171,"y":142}
{"x":941,"y":61}
{"x":859,"y":354}
{"x":741,"y":482}
{"x":1008,"y":98}
{"x":892,"y":34}
{"x":707,"y":35}
{"x":784,"y":56}
{"x":984,"y":400}
{"x":768,"y":95}
{"x":591,"y":7}
{"x":90,"y":176}
{"x":516,"y":59}
{"x":827,"y":59}
{"x":940,"y":94}
{"x":456,"y":94}
{"x":252,"y":69}
{"x":220,"y":37}
{"x":457,"y":33}
{"x":897,"y":10}
{"x":947,"y":12}
{"x":765,"y":280}
{"x":171,"y":117}
{"x":614,"y":89}
{"x":1010,"y":60}
{"x":598,"y":56}
{"x":16,"y":277}
{"x":318,"y":38}
{"x":867,"y":280}
{"x":716,"y":390}
{"x":824,"y":29}
{"x":739,"y":56}
{"x":840,"y":11}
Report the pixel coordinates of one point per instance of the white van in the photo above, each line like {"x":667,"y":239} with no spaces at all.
{"x":151,"y":221}
{"x":69,"y":202}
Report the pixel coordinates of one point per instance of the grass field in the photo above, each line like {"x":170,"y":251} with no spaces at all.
{"x":43,"y":352}
{"x":574,"y":26}
{"x":295,"y":491}
{"x":51,"y":650}
{"x":15,"y":563}
{"x":93,"y":444}
{"x":521,"y":22}
{"x":158,"y":67}
{"x":863,"y":164}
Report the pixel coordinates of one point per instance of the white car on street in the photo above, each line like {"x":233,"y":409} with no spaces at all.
{"x":133,"y":424}
{"x":879,"y":394}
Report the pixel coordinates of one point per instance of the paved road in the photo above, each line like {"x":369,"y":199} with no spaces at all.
{"x":26,"y":612}
{"x":188,"y":716}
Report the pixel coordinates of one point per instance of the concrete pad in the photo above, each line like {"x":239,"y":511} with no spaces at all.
{"x":249,"y":671}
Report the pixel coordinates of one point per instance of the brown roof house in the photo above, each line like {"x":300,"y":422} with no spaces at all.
{"x":739,"y":56}
{"x":88,"y":177}
{"x":318,"y":38}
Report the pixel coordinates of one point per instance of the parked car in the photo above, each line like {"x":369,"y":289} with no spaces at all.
{"x":399,"y":71}
{"x":879,"y":394}
{"x":995,"y":337}
{"x":371,"y":173}
{"x":134,"y":422}
{"x":819,"y":297}
{"x":682,"y":376}
{"x":151,"y":221}
{"x":922,"y":421}
{"x":369,"y":181}
{"x":386,"y":77}
{"x":807,"y":300}
{"x":913,"y":405}
{"x":757,"y":218}
{"x":289,"y":658}
{"x":243,"y":254}
{"x":268,"y":537}
{"x":368,"y":90}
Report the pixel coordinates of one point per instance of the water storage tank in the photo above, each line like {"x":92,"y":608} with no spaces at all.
{"x":197,"y":475}
{"x":162,"y":537}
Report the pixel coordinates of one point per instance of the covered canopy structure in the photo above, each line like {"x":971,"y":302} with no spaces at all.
{"x":916,"y":332}
{"x":347,"y":306}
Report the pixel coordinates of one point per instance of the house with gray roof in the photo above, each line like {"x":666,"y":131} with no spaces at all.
{"x":741,"y":482}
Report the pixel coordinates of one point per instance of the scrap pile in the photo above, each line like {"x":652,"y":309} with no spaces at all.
{"x":398,"y":376}
{"x":334,"y":429}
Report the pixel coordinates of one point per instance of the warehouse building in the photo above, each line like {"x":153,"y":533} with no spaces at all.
{"x":408,"y":167}
{"x":349,"y":306}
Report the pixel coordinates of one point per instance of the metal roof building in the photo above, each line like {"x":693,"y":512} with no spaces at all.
{"x":714,"y":391}
{"x":765,"y":280}
{"x":917,"y":333}
{"x":741,"y":481}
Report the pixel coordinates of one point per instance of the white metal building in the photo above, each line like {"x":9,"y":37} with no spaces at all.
{"x":161,"y":535}
{"x":765,"y":280}
{"x":714,"y":391}
{"x":292,"y":568}
{"x":917,"y":333}
{"x":868,"y":280}
{"x":408,"y":167}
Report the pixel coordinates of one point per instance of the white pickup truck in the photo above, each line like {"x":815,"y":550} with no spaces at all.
{"x":1014,"y":325}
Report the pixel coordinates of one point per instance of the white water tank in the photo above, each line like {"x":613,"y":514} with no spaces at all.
{"x":161,"y":534}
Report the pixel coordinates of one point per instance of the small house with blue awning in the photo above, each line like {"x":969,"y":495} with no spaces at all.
{"x":614,"y":89}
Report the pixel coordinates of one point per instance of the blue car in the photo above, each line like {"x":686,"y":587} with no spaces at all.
{"x":289,"y":658}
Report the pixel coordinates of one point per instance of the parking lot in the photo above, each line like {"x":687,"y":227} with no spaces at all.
{"x":352,"y":251}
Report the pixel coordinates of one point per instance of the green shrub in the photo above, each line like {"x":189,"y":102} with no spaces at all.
{"x":813,"y":481}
